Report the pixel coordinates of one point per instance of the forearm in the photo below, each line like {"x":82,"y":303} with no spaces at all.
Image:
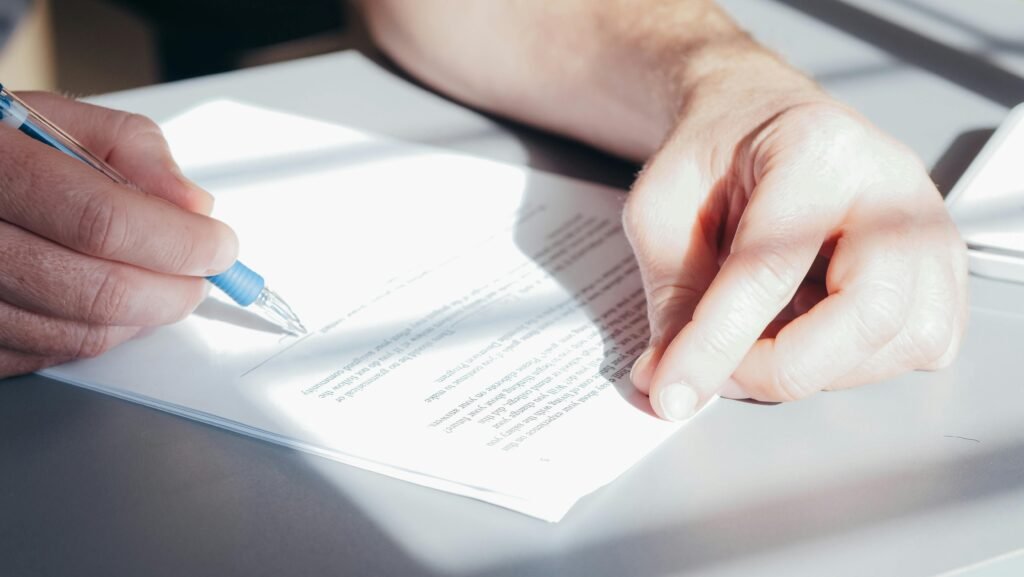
{"x":616,"y":74}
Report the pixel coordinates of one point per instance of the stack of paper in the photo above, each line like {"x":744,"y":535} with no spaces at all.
{"x":473,"y":323}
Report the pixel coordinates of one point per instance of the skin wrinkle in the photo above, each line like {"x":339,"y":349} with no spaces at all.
{"x":12,"y":180}
{"x":119,"y":137}
{"x":58,"y":303}
{"x":870,"y":330}
{"x":783,"y":379}
{"x":935,"y":331}
{"x":49,"y":336}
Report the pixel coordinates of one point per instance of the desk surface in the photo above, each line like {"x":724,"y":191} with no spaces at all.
{"x":916,"y":476}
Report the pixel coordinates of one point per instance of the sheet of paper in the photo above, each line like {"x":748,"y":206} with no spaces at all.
{"x":473,"y":323}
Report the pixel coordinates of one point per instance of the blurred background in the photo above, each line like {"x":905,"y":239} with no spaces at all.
{"x":84,"y":47}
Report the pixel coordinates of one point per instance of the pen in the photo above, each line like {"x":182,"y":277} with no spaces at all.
{"x":242,"y":284}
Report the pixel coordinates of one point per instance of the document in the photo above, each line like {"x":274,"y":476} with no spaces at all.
{"x":472,"y":324}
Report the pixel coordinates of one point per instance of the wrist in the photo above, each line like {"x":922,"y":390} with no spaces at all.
{"x":723,"y":95}
{"x":721,"y":78}
{"x":741,"y":85}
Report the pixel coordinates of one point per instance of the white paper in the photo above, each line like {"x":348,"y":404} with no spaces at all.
{"x":473,"y":323}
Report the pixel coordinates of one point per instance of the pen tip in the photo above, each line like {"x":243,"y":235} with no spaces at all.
{"x":275,"y":309}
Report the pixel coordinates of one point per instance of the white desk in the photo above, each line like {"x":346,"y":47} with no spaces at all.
{"x":916,"y":476}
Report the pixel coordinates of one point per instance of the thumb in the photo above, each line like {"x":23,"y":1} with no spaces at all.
{"x":131,"y":143}
{"x":672,"y":224}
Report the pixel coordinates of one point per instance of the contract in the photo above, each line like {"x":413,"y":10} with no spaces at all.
{"x":472,"y":323}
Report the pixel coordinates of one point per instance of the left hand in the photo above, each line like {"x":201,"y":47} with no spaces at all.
{"x":787,"y":247}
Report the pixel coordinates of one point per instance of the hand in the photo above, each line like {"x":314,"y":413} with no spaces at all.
{"x":86,"y":262}
{"x":788,"y":247}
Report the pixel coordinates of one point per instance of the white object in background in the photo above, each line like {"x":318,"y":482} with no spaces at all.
{"x":987,"y":203}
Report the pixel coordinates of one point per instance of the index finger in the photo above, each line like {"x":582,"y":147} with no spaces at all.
{"x":782,"y":229}
{"x":59,"y":198}
{"x":131,"y":143}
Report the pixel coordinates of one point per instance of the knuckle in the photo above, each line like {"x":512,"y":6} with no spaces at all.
{"x":832,"y":134}
{"x":930,"y":339}
{"x":141,"y":123}
{"x":182,"y":249}
{"x":105,"y":303}
{"x":101,"y":227}
{"x":771,"y":271}
{"x":92,"y":341}
{"x":899,"y":170}
{"x":133,"y":124}
{"x":654,"y":209}
{"x":135,"y":129}
{"x":760,"y":386}
{"x":905,"y":171}
{"x":787,"y":385}
{"x":715,"y":343}
{"x":943,"y":362}
{"x":833,"y":126}
{"x":669,"y":308}
{"x":669,"y":300}
{"x":880,"y":313}
{"x":757,"y":387}
{"x":818,"y":117}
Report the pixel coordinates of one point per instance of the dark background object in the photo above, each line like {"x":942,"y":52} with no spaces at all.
{"x":10,"y":13}
{"x":199,"y":37}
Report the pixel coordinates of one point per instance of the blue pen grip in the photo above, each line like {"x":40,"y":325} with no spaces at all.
{"x":240,"y":283}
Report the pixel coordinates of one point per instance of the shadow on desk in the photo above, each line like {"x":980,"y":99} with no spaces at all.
{"x":775,"y":524}
{"x":260,"y":509}
{"x":967,"y":70}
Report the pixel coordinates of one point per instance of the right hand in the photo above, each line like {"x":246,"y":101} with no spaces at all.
{"x":86,"y":263}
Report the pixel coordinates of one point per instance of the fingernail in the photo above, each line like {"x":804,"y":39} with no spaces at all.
{"x":640,"y":365}
{"x":678,"y":401}
{"x":732,"y":390}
